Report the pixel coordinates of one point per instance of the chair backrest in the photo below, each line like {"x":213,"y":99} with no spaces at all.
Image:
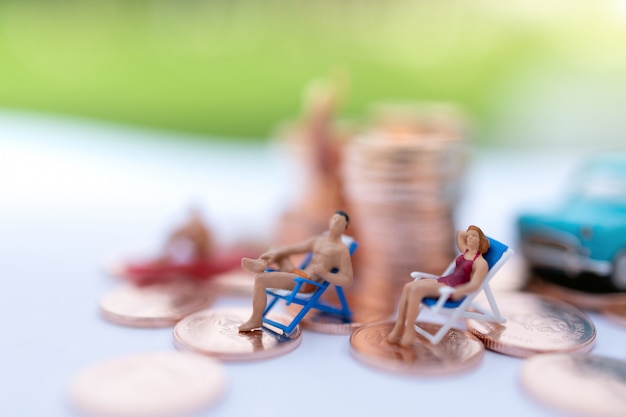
{"x":496,"y":256}
{"x":495,"y":252}
{"x":347,"y":240}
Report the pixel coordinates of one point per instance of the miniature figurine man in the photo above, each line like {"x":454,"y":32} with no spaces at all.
{"x":328,"y":253}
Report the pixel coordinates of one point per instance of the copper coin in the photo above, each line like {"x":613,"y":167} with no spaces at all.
{"x":535,"y":324}
{"x":457,"y":352}
{"x":616,"y":313}
{"x":364,"y":308}
{"x":235,"y":283}
{"x":580,"y":299}
{"x":157,"y":305}
{"x":149,"y":384}
{"x":589,"y":385}
{"x":215,"y":332}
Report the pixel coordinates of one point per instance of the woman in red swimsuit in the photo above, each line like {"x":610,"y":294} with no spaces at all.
{"x":470,"y":271}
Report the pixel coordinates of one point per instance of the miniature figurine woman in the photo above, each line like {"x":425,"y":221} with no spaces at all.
{"x":469,"y":273}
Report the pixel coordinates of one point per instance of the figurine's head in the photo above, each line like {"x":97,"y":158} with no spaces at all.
{"x":483,"y":242}
{"x":340,"y":216}
{"x":195,"y":212}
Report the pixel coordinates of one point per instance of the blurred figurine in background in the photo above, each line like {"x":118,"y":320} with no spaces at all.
{"x":191,"y":241}
{"x":330,"y":261}
{"x":467,"y":276}
{"x":315,"y":142}
{"x":189,"y":252}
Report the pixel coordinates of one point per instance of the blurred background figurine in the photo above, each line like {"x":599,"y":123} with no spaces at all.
{"x":469,"y":273}
{"x":189,"y":252}
{"x":192,"y":241}
{"x":315,"y":143}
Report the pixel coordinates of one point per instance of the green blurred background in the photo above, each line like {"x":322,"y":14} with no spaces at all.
{"x":527,"y":72}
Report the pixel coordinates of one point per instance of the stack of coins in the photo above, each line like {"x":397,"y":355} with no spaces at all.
{"x":402,"y":181}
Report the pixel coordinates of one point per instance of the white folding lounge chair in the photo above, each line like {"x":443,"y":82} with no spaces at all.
{"x":496,"y":256}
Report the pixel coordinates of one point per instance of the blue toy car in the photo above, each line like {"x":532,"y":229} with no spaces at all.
{"x":582,"y":243}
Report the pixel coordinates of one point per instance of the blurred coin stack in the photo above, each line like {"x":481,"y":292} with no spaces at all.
{"x":402,"y":181}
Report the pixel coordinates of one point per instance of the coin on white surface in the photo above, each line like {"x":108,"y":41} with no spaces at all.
{"x":588,"y":385}
{"x":535,"y":324}
{"x":457,"y":352}
{"x":156,"y":384}
{"x":215,"y":332}
{"x":156,"y":305}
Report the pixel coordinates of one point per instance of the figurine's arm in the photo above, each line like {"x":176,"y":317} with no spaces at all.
{"x":461,"y":240}
{"x":287,"y":250}
{"x":478,"y":276}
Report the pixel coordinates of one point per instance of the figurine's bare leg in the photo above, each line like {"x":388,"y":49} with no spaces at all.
{"x":283,"y":280}
{"x":261,"y":264}
{"x":285,"y":264}
{"x":398,"y":328}
{"x":256,"y":266}
{"x":416,"y":293}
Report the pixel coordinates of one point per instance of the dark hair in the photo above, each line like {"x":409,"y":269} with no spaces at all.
{"x":344,"y":214}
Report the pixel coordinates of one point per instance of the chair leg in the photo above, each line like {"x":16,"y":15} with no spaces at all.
{"x":494,"y":306}
{"x":451,"y":319}
{"x":297,"y":318}
{"x":270,"y":305}
{"x":266,"y":320}
{"x":303,"y":311}
{"x":343,"y":311}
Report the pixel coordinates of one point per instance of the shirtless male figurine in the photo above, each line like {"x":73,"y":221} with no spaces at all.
{"x":329,"y":253}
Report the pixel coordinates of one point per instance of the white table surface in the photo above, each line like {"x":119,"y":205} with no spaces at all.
{"x":71,"y":192}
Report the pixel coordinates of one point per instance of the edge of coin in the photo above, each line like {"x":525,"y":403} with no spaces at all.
{"x":151,"y":322}
{"x":141,"y":322}
{"x":75,"y":390}
{"x":402,"y":369}
{"x":525,"y":352}
{"x":295,"y":336}
{"x":615,"y":313}
{"x":543,"y":368}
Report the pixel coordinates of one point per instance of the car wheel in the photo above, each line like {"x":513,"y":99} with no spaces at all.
{"x":619,"y":271}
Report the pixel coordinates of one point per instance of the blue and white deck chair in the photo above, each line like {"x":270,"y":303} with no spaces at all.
{"x":496,"y":256}
{"x":309,"y":300}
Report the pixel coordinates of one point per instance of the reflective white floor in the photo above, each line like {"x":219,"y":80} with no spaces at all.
{"x":72,"y":191}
